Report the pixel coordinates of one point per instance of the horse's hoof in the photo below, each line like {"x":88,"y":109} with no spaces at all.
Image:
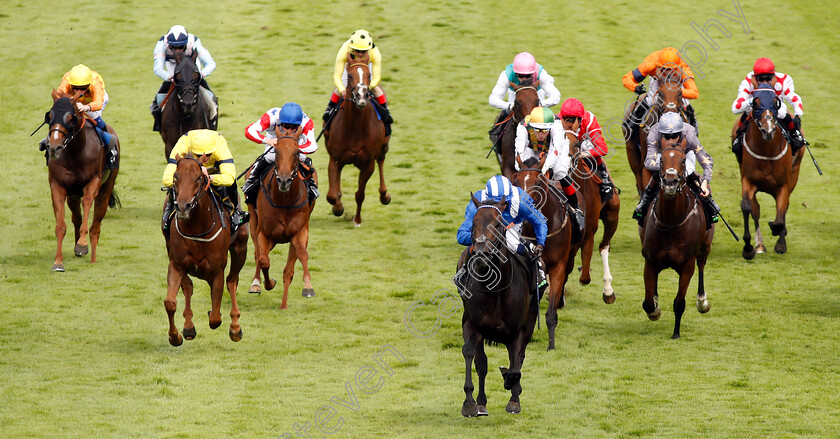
{"x":585,"y":281}
{"x":308,"y":292}
{"x":760,"y":249}
{"x":235,"y":336}
{"x":703,"y":305}
{"x":255,"y":289}
{"x":270,"y":283}
{"x":80,"y":250}
{"x":654,"y":316}
{"x":513,"y":407}
{"x":385,"y":198}
{"x":214,"y":325}
{"x":748,"y":253}
{"x":469,"y":411}
{"x":189,"y":333}
{"x":780,"y":248}
{"x":609,"y":298}
{"x":338,"y":211}
{"x":58,"y":266}
{"x":482,"y":411}
{"x":176,"y":341}
{"x":675,"y":336}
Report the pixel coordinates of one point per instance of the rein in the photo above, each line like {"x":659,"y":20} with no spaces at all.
{"x":67,"y":139}
{"x":764,"y":157}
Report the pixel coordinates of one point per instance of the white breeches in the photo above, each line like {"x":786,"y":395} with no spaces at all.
{"x":95,"y":114}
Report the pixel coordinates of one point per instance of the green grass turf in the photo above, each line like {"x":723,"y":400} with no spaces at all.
{"x":85,"y":353}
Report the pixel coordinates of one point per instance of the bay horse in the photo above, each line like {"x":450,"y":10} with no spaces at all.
{"x":183,"y":109}
{"x":280,"y":215}
{"x":768,"y":166}
{"x":667,"y":98}
{"x":526,"y":99}
{"x":356,"y":136}
{"x":498,"y":308}
{"x":674,"y":235}
{"x":559,"y":252}
{"x":77,"y":175}
{"x":594,"y":208}
{"x":198,"y":245}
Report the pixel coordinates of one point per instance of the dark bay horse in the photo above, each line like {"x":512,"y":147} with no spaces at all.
{"x":668,"y":98}
{"x":559,"y":252}
{"x":281,"y":215}
{"x":594,"y":209}
{"x":526,"y":100}
{"x":198,"y":245}
{"x":674,"y":236}
{"x":356,"y":136}
{"x":183,"y":109}
{"x":77,"y":175}
{"x":768,"y":166}
{"x":498,"y":308}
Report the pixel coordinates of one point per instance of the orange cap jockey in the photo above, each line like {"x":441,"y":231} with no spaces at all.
{"x":667,"y":58}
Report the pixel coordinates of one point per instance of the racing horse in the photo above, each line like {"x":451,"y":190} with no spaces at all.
{"x":674,"y":235}
{"x":198,"y":247}
{"x":183,"y":109}
{"x":526,"y":99}
{"x":559,"y":252}
{"x":281,"y":215}
{"x":767,"y":165}
{"x":77,"y":175}
{"x":668,"y":98}
{"x":356,"y":135}
{"x":594,"y":209}
{"x":497,"y":309}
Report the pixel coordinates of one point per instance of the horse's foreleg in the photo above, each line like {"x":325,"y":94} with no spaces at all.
{"x":686,"y":273}
{"x":253,"y":229}
{"x":217,"y":288}
{"x":513,"y":374}
{"x":75,"y":205}
{"x":609,"y":217}
{"x":555,"y":301}
{"x":364,"y":176}
{"x":238,"y":254}
{"x":289,"y":272}
{"x":608,"y":293}
{"x":100,"y":208}
{"x":778,"y":227}
{"x":58,"y":195}
{"x":749,"y":206}
{"x":263,"y":262}
{"x":586,"y":255}
{"x":472,"y":338}
{"x":651,"y":302}
{"x":189,"y":325}
{"x":384,"y":196}
{"x":173,"y":283}
{"x":481,"y":370}
{"x":703,"y":305}
{"x":334,"y":193}
{"x":88,"y":197}
{"x":301,"y":244}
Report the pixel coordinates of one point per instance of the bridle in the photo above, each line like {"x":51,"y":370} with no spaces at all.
{"x":673,"y":172}
{"x":68,"y":135}
{"x":515,"y":92}
{"x":295,"y":174}
{"x":363,"y":94}
{"x":203,"y":187}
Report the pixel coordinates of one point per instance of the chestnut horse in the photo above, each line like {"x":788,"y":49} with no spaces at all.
{"x":767,"y":165}
{"x":588,"y":186}
{"x":559,"y":252}
{"x":674,"y":236}
{"x":77,"y":174}
{"x":281,"y":215}
{"x":184,"y":108}
{"x":498,"y":308}
{"x":356,"y":136}
{"x":668,"y":98}
{"x":525,"y":101}
{"x":197,"y":245}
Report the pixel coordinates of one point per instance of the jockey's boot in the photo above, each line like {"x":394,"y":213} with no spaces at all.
{"x":386,"y":118}
{"x":606,"y":186}
{"x":156,"y":114}
{"x":541,"y":282}
{"x":331,"y":108}
{"x":710,"y":207}
{"x":110,"y":142}
{"x":692,"y":118}
{"x":738,"y":141}
{"x":639,"y":114}
{"x":252,"y":184}
{"x":793,"y":127}
{"x":308,"y":173}
{"x":43,"y":145}
{"x":168,"y":210}
{"x":644,"y":201}
{"x":214,"y":121}
{"x":578,"y":220}
{"x":496,"y":131}
{"x":238,"y":216}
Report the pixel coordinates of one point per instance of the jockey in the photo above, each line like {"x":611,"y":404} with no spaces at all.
{"x":93,"y":101}
{"x":519,"y":207}
{"x":178,"y":39}
{"x":669,"y":132}
{"x":585,"y":127}
{"x":540,"y":135}
{"x":360,"y":42}
{"x":523,"y":71}
{"x":289,"y":118}
{"x":659,"y":63}
{"x":211,"y":150}
{"x":765,"y":72}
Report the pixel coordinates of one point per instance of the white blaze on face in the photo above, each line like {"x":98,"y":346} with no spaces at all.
{"x":359,"y":69}
{"x":526,"y":180}
{"x":55,"y":135}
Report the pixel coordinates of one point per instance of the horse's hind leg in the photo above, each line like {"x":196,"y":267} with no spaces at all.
{"x":334,"y":193}
{"x":288,"y":273}
{"x":238,"y":254}
{"x":778,"y":227}
{"x":75,"y":205}
{"x":58,"y":195}
{"x":472,"y":338}
{"x":364,"y":176}
{"x":100,"y":208}
{"x":301,"y":243}
{"x":703,"y":304}
{"x":217,"y":287}
{"x":513,"y":374}
{"x":679,"y":302}
{"x":88,"y":197}
{"x":555,"y":301}
{"x":189,"y":325}
{"x":253,"y":229}
{"x":384,"y":196}
{"x":173,"y":283}
{"x":586,"y":257}
{"x":263,"y":261}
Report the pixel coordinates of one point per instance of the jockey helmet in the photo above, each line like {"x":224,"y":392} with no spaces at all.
{"x":763,"y":65}
{"x":540,"y":118}
{"x":498,"y":188}
{"x":204,"y":142}
{"x":291,"y":113}
{"x":80,"y":76}
{"x":177,"y":36}
{"x":361,"y":40}
{"x":670,"y":123}
{"x":524,"y":63}
{"x":572,"y":108}
{"x":669,"y":55}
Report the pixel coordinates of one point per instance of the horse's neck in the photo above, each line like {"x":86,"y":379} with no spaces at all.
{"x":552,"y":208}
{"x":355,"y":118}
{"x":203,"y":215}
{"x":293,"y":196}
{"x":671,"y":212}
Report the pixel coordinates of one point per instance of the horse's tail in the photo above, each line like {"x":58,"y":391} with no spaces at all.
{"x":114,"y":200}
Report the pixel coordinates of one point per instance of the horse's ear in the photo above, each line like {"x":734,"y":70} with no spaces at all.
{"x":46,"y":117}
{"x":179,"y":156}
{"x":474,"y":199}
{"x":298,"y":131}
{"x":513,"y":86}
{"x":55,"y":95}
{"x":194,"y":55}
{"x":542,"y":160}
{"x":519,"y":162}
{"x":536,"y":84}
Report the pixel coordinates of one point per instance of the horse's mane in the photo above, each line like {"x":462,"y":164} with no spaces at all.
{"x":531,"y":162}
